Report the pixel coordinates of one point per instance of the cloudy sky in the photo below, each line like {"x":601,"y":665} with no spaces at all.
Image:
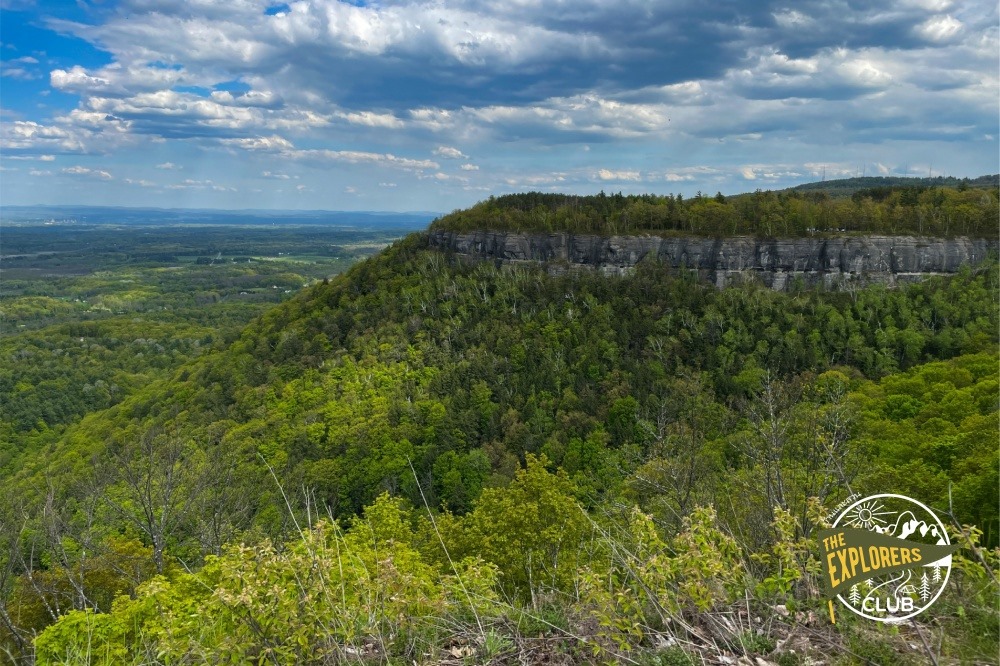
{"x":407,"y":105}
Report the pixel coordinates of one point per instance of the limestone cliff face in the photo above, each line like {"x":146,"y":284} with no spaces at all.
{"x":778,"y":263}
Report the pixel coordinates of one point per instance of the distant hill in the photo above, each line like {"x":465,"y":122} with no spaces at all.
{"x":208,"y":216}
{"x":848,"y":186}
{"x":875,"y":206}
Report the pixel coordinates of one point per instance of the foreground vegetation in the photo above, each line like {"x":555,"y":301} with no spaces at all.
{"x":527,"y":575}
{"x":434,"y":461}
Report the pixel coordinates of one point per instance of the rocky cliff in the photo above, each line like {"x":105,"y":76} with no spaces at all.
{"x":778,"y":263}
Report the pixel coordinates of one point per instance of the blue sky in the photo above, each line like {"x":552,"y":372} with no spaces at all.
{"x":402,"y":105}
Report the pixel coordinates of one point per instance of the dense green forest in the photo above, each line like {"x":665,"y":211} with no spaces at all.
{"x":89,"y":313}
{"x":871,"y":206}
{"x":435,"y":461}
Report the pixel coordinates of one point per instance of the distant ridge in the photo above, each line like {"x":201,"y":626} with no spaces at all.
{"x":411,"y":220}
{"x":867,"y":206}
{"x":848,"y":186}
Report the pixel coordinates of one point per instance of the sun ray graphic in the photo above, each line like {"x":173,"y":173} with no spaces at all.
{"x":867,"y":515}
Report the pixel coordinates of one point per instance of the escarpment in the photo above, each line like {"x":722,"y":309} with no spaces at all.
{"x":778,"y":263}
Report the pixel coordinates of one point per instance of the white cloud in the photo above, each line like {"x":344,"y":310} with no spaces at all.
{"x":330,"y":85}
{"x":864,"y":72}
{"x":285,"y":148}
{"x":252,"y":98}
{"x":771,"y":172}
{"x":940,"y":29}
{"x":29,"y":134}
{"x":371,"y":119}
{"x":76,"y":79}
{"x":587,"y":113}
{"x":153,"y":112}
{"x":606,"y":174}
{"x":168,"y":166}
{"x":263,"y":143}
{"x":789,"y":18}
{"x":436,"y":120}
{"x":450,"y":153}
{"x":830,"y":170}
{"x":121,"y":79}
{"x":363,"y":157}
{"x":20,"y":68}
{"x":691,"y":174}
{"x":84,"y":171}
{"x":687,"y":93}
{"x":19,"y":73}
{"x":538,"y":180}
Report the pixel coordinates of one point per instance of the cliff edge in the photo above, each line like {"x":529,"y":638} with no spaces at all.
{"x":778,"y":263}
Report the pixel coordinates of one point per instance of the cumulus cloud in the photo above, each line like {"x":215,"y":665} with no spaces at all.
{"x":939,"y":29}
{"x":607,"y":174}
{"x":692,"y":173}
{"x":371,"y":119}
{"x":263,"y":143}
{"x":84,"y":171}
{"x":552,"y":180}
{"x":252,"y":98}
{"x":770,"y":172}
{"x":331,"y":85}
{"x":76,"y":79}
{"x":287,"y":150}
{"x":362,"y":157}
{"x":21,"y":68}
{"x":450,"y":153}
{"x":29,"y":134}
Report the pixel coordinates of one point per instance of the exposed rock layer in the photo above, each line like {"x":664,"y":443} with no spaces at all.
{"x":778,"y":263}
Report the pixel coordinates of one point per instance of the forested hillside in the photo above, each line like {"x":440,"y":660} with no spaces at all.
{"x":432,"y":460}
{"x":870,"y":207}
{"x":91,"y":312}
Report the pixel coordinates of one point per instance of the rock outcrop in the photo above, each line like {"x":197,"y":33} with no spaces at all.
{"x":778,"y":263}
